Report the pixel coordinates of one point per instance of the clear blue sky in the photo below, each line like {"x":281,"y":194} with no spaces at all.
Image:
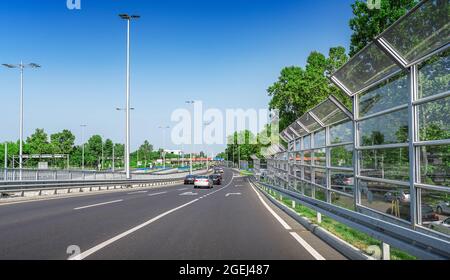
{"x":224,"y":52}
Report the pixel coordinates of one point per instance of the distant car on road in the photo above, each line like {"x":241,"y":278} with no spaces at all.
{"x":203,"y":182}
{"x":441,"y":226}
{"x":402,"y":196}
{"x":443,"y":208}
{"x":216,"y":178}
{"x":218,"y":170}
{"x":189,"y":179}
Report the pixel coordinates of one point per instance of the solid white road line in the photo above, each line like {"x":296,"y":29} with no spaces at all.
{"x":300,"y":240}
{"x":137,"y":192}
{"x":182,"y":189}
{"x":152,"y":194}
{"x":114,"y":239}
{"x":98,"y":204}
{"x":308,"y":247}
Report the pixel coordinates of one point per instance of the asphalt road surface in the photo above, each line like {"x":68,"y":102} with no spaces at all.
{"x":232,"y":222}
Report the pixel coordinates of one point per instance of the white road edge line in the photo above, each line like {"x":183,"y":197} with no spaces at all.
{"x":98,"y":204}
{"x":152,"y":194}
{"x":300,"y":240}
{"x":308,"y":247}
{"x":100,"y":246}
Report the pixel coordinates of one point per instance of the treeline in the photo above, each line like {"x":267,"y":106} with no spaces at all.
{"x":98,"y":152}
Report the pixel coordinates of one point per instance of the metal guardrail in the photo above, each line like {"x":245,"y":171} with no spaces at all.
{"x":8,"y":190}
{"x":14,"y":175}
{"x":414,"y":242}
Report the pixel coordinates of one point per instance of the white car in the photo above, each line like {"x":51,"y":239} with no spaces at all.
{"x":441,"y":226}
{"x":203,"y":182}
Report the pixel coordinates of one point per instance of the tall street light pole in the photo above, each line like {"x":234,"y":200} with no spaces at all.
{"x":21,"y":67}
{"x":164,"y":144}
{"x":125,"y":147}
{"x":190,"y":168}
{"x":83,"y":126}
{"x":128,"y":18}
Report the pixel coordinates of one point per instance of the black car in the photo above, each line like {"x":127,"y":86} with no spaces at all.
{"x":189,"y":180}
{"x":216,"y":178}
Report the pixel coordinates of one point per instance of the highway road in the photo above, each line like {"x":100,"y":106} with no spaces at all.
{"x":232,"y":222}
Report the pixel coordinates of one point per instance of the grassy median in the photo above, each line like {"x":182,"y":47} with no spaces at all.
{"x":356,"y":238}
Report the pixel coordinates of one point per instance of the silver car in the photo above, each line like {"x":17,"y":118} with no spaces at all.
{"x":443,"y":208}
{"x":441,"y":226}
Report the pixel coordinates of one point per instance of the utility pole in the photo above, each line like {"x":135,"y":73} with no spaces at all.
{"x":113,"y":159}
{"x":6,"y":161}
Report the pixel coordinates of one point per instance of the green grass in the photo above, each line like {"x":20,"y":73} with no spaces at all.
{"x":246,"y":173}
{"x":357,"y":238}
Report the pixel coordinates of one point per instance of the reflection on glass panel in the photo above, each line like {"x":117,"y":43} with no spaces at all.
{"x":307,"y":171}
{"x":421,"y":32}
{"x":385,"y":163}
{"x":320,"y":177}
{"x":297,"y":157}
{"x":298,"y":172}
{"x":329,"y":113}
{"x":342,"y":201}
{"x":307,"y":157}
{"x":434,"y":120}
{"x":366,"y":68}
{"x":309,"y":122}
{"x":343,"y":181}
{"x":298,"y":145}
{"x":436,"y":210}
{"x":341,"y":133}
{"x":386,"y":198}
{"x":391,"y":93}
{"x":385,"y":129}
{"x":319,"y":139}
{"x":307,"y":142}
{"x":307,"y":189}
{"x":320,"y":194}
{"x":435,"y":165}
{"x":320,"y":157}
{"x":342,"y":156}
{"x":335,"y":117}
{"x":298,"y":186}
{"x":434,"y":75}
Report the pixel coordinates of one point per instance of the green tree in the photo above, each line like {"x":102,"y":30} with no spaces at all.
{"x":368,"y":23}
{"x":62,"y":142}
{"x":38,"y":143}
{"x":93,"y":151}
{"x":299,"y":90}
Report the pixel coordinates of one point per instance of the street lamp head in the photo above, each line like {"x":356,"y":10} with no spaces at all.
{"x":9,"y":65}
{"x":190,"y":102}
{"x":128,"y":17}
{"x":135,"y":17}
{"x":34,"y":65}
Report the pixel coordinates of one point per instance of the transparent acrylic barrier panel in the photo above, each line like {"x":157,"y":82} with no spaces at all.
{"x":436,"y":210}
{"x":336,"y":117}
{"x":298,"y":129}
{"x":341,"y":133}
{"x":320,"y":157}
{"x":308,"y":121}
{"x":342,"y":201}
{"x":307,"y":157}
{"x":434,"y":75}
{"x":391,"y":93}
{"x":421,"y":32}
{"x":385,"y":129}
{"x":435,"y":165}
{"x":364,"y":69}
{"x":319,"y":139}
{"x":434,"y":120}
{"x":342,"y":156}
{"x":298,"y":172}
{"x":307,"y":142}
{"x":320,"y":194}
{"x":298,"y":145}
{"x":343,"y":181}
{"x":307,"y":171}
{"x":390,"y":164}
{"x":307,"y":188}
{"x":320,"y":177}
{"x":329,"y":113}
{"x":386,"y":198}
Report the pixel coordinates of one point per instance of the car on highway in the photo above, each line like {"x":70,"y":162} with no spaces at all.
{"x":216,"y":178}
{"x":443,"y":207}
{"x":218,"y":170}
{"x":441,"y":226}
{"x":428,"y":214}
{"x":189,"y":179}
{"x":203,"y":182}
